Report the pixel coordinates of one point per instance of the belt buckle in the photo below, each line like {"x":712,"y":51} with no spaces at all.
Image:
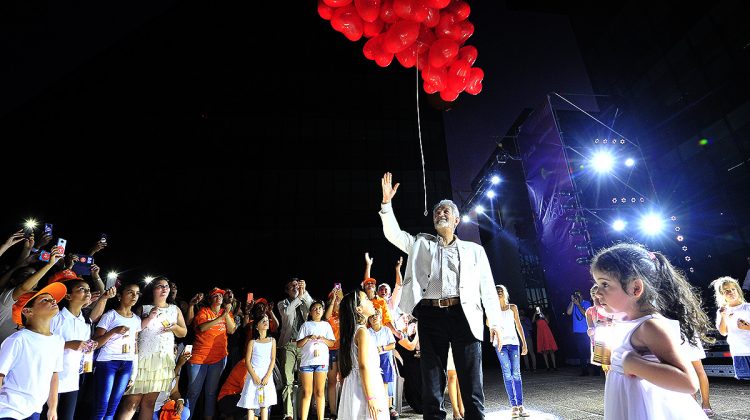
{"x":440,"y":303}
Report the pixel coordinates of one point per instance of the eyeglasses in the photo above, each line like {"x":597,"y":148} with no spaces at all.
{"x":161,"y":286}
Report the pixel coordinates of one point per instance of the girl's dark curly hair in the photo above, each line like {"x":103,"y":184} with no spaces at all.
{"x":666,"y":290}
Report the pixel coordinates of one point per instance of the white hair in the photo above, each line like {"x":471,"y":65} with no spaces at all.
{"x":449,"y":203}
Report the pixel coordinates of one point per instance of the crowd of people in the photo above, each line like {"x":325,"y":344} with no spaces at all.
{"x":74,"y":346}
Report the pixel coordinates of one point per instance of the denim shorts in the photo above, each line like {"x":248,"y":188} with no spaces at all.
{"x":313,"y":368}
{"x":333,"y":356}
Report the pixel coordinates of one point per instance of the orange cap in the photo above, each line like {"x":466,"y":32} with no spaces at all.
{"x":57,"y":290}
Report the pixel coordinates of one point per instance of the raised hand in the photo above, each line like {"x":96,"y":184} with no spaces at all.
{"x":399,"y":262}
{"x":368,"y":260}
{"x":389,"y":190}
{"x":14,"y":239}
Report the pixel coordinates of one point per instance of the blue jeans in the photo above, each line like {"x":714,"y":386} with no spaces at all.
{"x":437,"y":328}
{"x":210,"y":375}
{"x":111,"y":379}
{"x":510,"y":361}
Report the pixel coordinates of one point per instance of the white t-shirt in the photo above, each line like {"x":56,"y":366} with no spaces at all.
{"x":383,"y":337}
{"x":70,"y":328}
{"x":321,"y":328}
{"x":113,"y":349}
{"x":28,"y":360}
{"x":7,"y":326}
{"x":739,"y":340}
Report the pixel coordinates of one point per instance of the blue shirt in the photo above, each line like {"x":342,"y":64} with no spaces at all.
{"x":579,"y":319}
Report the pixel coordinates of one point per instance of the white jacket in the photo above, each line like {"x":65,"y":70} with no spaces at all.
{"x":476,"y":288}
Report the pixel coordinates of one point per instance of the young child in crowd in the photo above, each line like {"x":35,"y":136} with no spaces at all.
{"x":31,"y":358}
{"x":545,"y":341}
{"x":116,"y":336}
{"x":733,"y":322}
{"x":315,"y":336}
{"x":649,"y":378}
{"x":70,"y":323}
{"x":385,"y":342}
{"x":259,"y":392}
{"x":362,"y":393}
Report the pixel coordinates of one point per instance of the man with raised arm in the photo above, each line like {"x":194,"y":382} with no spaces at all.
{"x":448,"y":286}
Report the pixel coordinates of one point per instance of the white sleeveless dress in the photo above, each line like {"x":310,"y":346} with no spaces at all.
{"x":260,"y":360}
{"x":353,"y":404}
{"x":629,"y":398}
{"x":155,"y":353}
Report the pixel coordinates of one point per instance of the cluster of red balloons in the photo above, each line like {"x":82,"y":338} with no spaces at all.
{"x":427,"y":33}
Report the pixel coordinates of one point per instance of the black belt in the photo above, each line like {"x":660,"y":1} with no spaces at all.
{"x":441,"y":303}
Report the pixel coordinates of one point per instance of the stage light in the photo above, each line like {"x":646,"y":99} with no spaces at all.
{"x":643,"y":200}
{"x":490,"y":194}
{"x":604,"y":141}
{"x":687,"y":259}
{"x":622,"y":141}
{"x":479,"y":209}
{"x":148,"y":279}
{"x":495,"y":180}
{"x":629,"y":162}
{"x":703,"y":142}
{"x":692,"y":270}
{"x":465,"y":219}
{"x":619,"y":225}
{"x":652,"y":224}
{"x":112,"y":275}
{"x":603,"y":162}
{"x":684,"y":248}
{"x":673,"y":218}
{"x":596,"y":141}
{"x":677,"y":229}
{"x":614,"y":200}
{"x":632,"y":200}
{"x":680,"y":238}
{"x":624,"y":200}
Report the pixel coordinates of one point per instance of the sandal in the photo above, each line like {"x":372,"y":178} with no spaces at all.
{"x":709,"y":412}
{"x":514,"y":413}
{"x":522,"y":412}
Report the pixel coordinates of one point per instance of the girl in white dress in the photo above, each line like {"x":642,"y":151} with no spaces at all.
{"x":649,"y":378}
{"x":363,"y":394}
{"x":259,"y":392}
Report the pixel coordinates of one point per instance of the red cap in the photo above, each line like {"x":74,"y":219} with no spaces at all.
{"x":57,"y":290}
{"x":64,"y":275}
{"x":261,"y":300}
{"x":369,"y":280}
{"x":216,"y":291}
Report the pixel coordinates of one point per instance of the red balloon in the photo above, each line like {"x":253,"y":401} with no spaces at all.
{"x":404,"y":9}
{"x":449,"y":95}
{"x":422,"y":59}
{"x":474,"y":86}
{"x":400,"y":36}
{"x":373,"y":47}
{"x":461,"y":9}
{"x":433,"y":17}
{"x":426,"y":36}
{"x":438,"y":4}
{"x":443,"y":52}
{"x":373,"y":28}
{"x":458,"y":75}
{"x":368,"y":10}
{"x":408,"y":57}
{"x":337,"y":3}
{"x":384,"y":59}
{"x":468,"y":54}
{"x":466,"y":31}
{"x":421,"y":12}
{"x":387,"y":14}
{"x":435,"y":76}
{"x":447,"y":27}
{"x":325,"y":11}
{"x":430,"y":88}
{"x":347,"y":21}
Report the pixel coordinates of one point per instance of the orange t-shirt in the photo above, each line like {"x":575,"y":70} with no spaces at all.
{"x":334,"y":321}
{"x":235,"y":382}
{"x":380,"y":303}
{"x":209,"y":346}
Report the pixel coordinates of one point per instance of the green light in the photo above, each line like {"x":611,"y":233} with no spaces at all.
{"x":703,"y":142}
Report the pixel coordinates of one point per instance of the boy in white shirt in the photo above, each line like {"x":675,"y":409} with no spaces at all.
{"x":31,"y":358}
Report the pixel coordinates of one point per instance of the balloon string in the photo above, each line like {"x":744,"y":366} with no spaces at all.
{"x":419,"y":131}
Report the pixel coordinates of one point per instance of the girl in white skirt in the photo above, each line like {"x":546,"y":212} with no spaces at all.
{"x":259,"y":392}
